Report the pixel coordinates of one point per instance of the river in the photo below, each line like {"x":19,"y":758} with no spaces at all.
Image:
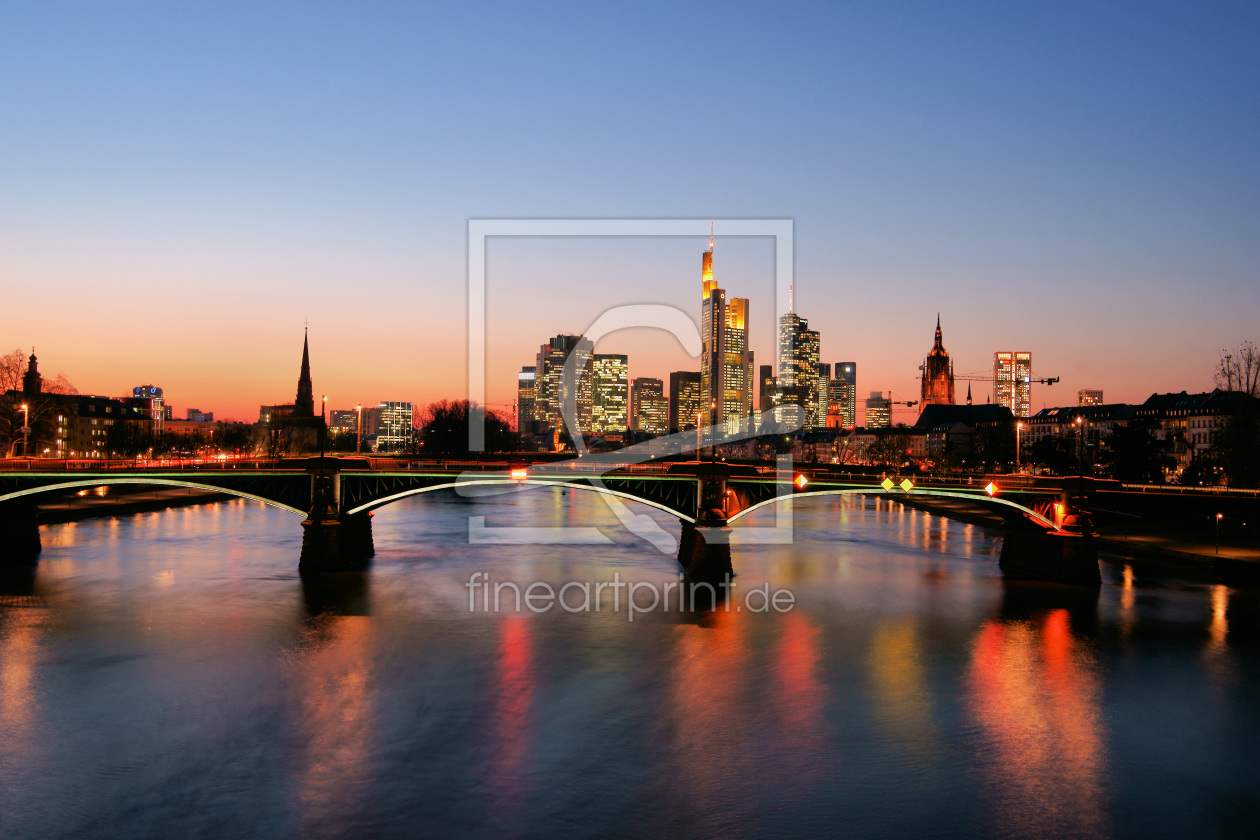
{"x":169,"y":675}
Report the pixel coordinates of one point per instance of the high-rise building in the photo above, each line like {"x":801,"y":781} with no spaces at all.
{"x":651,"y":413}
{"x":846,"y":372}
{"x":525,"y":401}
{"x":798,"y":366}
{"x":610,"y":388}
{"x":551,"y":391}
{"x":726,"y":359}
{"x":1089,"y":396}
{"x":878,"y":411}
{"x":768,"y":385}
{"x":199,"y":416}
{"x":824,"y":394}
{"x":1012,"y":381}
{"x":938,"y":375}
{"x":684,"y":400}
{"x":155,"y":405}
{"x":396,"y":429}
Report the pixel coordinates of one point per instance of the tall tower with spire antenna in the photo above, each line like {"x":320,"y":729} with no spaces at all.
{"x":726,"y":360}
{"x":304,"y":405}
{"x":938,"y":374}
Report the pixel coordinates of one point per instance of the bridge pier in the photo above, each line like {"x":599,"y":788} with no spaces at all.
{"x":332,"y":541}
{"x":1066,"y":556}
{"x":19,"y":535}
{"x":704,"y":549}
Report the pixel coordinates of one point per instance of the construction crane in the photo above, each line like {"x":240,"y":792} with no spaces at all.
{"x":1049,"y":380}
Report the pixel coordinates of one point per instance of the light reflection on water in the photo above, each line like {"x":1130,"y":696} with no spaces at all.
{"x":168,"y":674}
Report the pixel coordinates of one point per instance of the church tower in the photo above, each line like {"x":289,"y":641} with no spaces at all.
{"x":32,"y":382}
{"x":938,"y":374}
{"x":304,"y":405}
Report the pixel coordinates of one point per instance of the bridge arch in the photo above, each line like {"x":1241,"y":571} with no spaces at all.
{"x":875,"y":491}
{"x":516,"y":482}
{"x":166,"y":482}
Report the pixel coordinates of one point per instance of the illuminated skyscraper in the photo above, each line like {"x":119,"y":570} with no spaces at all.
{"x":550,"y":388}
{"x":878,"y":411}
{"x":1089,"y":396}
{"x":798,"y":366}
{"x":611,"y":386}
{"x":1012,"y":381}
{"x":684,"y":400}
{"x":726,"y":361}
{"x":846,"y":372}
{"x":651,"y":412}
{"x":525,"y":423}
{"x":938,"y":375}
{"x":824,"y":394}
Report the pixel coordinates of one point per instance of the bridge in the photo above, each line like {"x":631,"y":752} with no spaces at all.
{"x":336,"y":497}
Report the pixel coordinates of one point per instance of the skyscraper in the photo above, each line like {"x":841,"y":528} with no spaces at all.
{"x":824,"y":394}
{"x":846,"y":372}
{"x":767,"y":388}
{"x":550,"y":389}
{"x":684,"y":399}
{"x":1012,"y":381}
{"x":651,"y":413}
{"x":1089,"y":396}
{"x":938,"y":374}
{"x":525,"y":423}
{"x":878,"y":411}
{"x":726,"y":360}
{"x":610,"y":388}
{"x":798,"y":366}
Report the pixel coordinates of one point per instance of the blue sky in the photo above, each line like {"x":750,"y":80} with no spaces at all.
{"x":181,"y":186}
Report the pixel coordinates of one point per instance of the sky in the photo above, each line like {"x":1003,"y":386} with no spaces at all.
{"x":184,"y":186}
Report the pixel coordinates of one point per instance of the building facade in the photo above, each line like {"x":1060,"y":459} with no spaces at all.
{"x":651,"y":412}
{"x":878,"y":411}
{"x":846,"y":398}
{"x":798,"y":365}
{"x":610,"y":406}
{"x":1012,"y":381}
{"x":551,"y":388}
{"x":397,"y":426}
{"x":1089,"y":396}
{"x":525,"y":401}
{"x":684,"y":400}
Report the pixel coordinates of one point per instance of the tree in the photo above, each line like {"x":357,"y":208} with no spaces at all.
{"x":1051,"y":454}
{"x":1134,"y":454}
{"x":1239,"y":370}
{"x":445,"y":429}
{"x":1236,"y":442}
{"x":128,"y":438}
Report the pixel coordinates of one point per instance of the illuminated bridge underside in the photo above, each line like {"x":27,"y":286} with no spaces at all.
{"x":361,"y":492}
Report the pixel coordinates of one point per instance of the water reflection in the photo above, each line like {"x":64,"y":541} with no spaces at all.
{"x":1034,"y":691}
{"x":902,"y":696}
{"x":511,"y":717}
{"x":332,"y":671}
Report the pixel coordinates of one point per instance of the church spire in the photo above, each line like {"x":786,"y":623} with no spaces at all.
{"x":968,"y":393}
{"x":304,"y":405}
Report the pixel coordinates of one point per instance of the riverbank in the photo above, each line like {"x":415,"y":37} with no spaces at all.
{"x":1230,"y":563}
{"x":74,"y":508}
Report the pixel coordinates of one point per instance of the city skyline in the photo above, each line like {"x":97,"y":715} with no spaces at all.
{"x":1073,"y":208}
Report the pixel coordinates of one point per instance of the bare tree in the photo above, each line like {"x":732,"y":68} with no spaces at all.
{"x":1239,"y":370}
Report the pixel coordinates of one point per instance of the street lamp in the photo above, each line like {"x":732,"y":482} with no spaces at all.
{"x":1018,"y":428}
{"x":323,"y":427}
{"x":358,"y":433}
{"x":26,"y":429}
{"x":1219,"y":516}
{"x":712,"y":423}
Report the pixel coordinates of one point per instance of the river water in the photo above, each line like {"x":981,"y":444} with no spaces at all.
{"x":169,"y":675}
